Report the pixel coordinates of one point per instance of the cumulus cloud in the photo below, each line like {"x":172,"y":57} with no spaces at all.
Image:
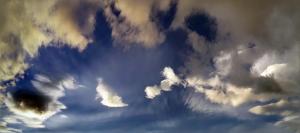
{"x":107,"y":95}
{"x":33,"y":107}
{"x":132,"y":22}
{"x":152,"y":91}
{"x":165,"y":85}
{"x":27,"y":25}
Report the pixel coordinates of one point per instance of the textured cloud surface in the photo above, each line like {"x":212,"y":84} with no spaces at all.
{"x":33,"y":107}
{"x":27,"y":25}
{"x":132,"y":21}
{"x":235,"y":57}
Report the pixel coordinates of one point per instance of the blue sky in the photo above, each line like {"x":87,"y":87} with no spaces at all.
{"x":153,"y":66}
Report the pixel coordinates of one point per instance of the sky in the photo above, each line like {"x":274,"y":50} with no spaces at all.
{"x":149,"y":66}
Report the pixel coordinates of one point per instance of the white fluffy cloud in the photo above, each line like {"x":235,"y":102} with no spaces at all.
{"x":107,"y":95}
{"x":165,"y":85}
{"x":27,"y":25}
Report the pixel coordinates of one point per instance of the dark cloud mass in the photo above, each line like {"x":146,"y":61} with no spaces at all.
{"x":203,"y":25}
{"x":31,"y":100}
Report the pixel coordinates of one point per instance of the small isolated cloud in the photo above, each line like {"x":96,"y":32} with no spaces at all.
{"x":165,"y":85}
{"x":107,"y":95}
{"x":33,"y":107}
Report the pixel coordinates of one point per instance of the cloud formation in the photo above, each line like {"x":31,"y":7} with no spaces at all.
{"x":247,"y":53}
{"x":229,"y":96}
{"x":131,"y":21}
{"x":165,"y":85}
{"x":288,"y":109}
{"x":107,"y":95}
{"x":27,"y":25}
{"x":251,"y":55}
{"x":33,"y":107}
{"x":254,"y":56}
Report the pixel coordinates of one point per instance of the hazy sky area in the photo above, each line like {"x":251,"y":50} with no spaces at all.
{"x":149,"y":66}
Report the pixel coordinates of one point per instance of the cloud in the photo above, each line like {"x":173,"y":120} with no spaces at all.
{"x":226,"y":98}
{"x":288,"y":109}
{"x":165,"y":85}
{"x":5,"y":129}
{"x":270,"y":76}
{"x":108,"y":96}
{"x":244,"y":61}
{"x":197,"y":102}
{"x":292,"y":122}
{"x":152,"y":91}
{"x":34,"y":107}
{"x":132,"y":22}
{"x":26,"y":26}
{"x":215,"y":89}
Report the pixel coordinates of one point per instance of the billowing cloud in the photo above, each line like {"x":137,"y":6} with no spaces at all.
{"x":107,"y":95}
{"x":165,"y":85}
{"x":132,"y":21}
{"x":33,"y":107}
{"x":152,"y":91}
{"x":27,"y":25}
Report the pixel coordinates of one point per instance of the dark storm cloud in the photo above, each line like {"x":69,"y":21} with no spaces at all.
{"x":30,"y":100}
